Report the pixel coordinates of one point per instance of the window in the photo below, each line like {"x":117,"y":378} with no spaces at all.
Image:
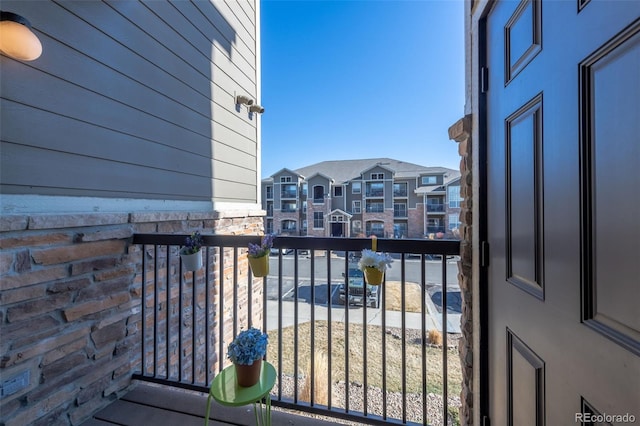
{"x":375,"y":228}
{"x":269,"y":192}
{"x":375,"y":189}
{"x":304,"y":226}
{"x":400,"y":189}
{"x":269,"y":229}
{"x":288,"y":226}
{"x":285,"y":179}
{"x":400,"y":229}
{"x":289,"y":206}
{"x":377,"y":176}
{"x":374,"y":206}
{"x":429,"y":180}
{"x":318,"y":220}
{"x":288,"y":191}
{"x":357,"y":207}
{"x":337,"y":191}
{"x":454,"y":221}
{"x":434,"y":225}
{"x":356,"y":187}
{"x":435,"y":205}
{"x":318,"y":194}
{"x":357,"y":226}
{"x":400,"y":210}
{"x":304,"y":189}
{"x":453,"y":194}
{"x":269,"y":208}
{"x":304,"y":207}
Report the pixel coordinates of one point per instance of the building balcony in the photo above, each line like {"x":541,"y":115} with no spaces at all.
{"x":400,"y":213}
{"x":374,"y":208}
{"x":436,"y":208}
{"x":435,"y":229}
{"x":182,"y":333}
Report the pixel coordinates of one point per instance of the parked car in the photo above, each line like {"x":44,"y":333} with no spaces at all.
{"x":359,"y":294}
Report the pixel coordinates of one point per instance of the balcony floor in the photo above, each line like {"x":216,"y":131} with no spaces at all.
{"x":149,"y":404}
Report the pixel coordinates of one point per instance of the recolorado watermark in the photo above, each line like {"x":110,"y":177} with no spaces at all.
{"x":604,"y":418}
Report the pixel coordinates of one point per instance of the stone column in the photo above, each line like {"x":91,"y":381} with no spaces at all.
{"x":461,"y":133}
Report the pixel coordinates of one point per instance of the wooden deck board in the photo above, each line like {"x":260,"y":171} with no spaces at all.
{"x":151,"y":405}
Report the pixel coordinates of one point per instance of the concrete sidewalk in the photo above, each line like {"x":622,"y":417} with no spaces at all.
{"x":413,"y":320}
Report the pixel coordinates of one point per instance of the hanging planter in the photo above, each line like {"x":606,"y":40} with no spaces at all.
{"x":373,"y":276}
{"x":190,"y":254}
{"x":248,"y":375}
{"x":373,"y":264}
{"x":259,"y":256}
{"x":259,"y":266}
{"x":191,"y":262}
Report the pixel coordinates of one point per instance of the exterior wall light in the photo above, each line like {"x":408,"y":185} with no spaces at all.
{"x":256,"y":108}
{"x":16,"y":38}
{"x":244,"y":100}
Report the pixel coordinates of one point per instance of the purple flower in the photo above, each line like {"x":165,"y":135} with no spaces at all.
{"x":193,"y":243}
{"x":263,"y":249}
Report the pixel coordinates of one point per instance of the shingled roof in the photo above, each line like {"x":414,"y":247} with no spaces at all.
{"x":345,"y":170}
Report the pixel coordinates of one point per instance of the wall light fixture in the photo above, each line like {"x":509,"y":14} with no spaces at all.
{"x":16,"y":38}
{"x":256,"y":108}
{"x":244,"y":100}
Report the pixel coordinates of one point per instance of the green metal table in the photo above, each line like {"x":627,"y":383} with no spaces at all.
{"x":225,"y":390}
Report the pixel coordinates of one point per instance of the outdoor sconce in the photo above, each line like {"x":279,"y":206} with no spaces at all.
{"x":16,"y":38}
{"x":256,"y":108}
{"x":244,"y":100}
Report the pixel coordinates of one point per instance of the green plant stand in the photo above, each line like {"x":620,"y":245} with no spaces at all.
{"x":225,"y":390}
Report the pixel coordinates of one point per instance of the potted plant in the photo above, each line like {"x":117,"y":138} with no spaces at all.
{"x":190,"y":253}
{"x":259,"y":256}
{"x":246,"y":352}
{"x":373,"y":265}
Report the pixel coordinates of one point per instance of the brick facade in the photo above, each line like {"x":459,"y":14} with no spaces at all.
{"x":416,"y":221}
{"x":70,"y":317}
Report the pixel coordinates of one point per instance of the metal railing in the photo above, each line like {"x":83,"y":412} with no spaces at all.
{"x":435,"y":208}
{"x":325,"y":352}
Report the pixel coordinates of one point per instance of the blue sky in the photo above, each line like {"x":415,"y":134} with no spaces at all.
{"x":361,"y":79}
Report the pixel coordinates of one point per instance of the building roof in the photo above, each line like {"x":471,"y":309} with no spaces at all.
{"x":345,"y":170}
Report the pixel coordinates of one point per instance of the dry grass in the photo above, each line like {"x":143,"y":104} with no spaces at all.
{"x":320,"y":378}
{"x":393,"y":296}
{"x":335,"y":369}
{"x":434,"y":337}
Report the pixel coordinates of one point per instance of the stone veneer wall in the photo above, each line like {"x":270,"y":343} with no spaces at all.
{"x":461,"y":133}
{"x":70,"y":311}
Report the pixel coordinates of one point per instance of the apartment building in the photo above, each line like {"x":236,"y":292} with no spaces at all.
{"x":352,"y":198}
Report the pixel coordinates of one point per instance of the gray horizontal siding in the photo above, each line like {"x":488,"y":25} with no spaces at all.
{"x":132,"y":99}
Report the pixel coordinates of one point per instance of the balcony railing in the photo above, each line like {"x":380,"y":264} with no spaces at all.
{"x":435,"y":229}
{"x":374,"y":208}
{"x":435,"y":208}
{"x":378,"y":355}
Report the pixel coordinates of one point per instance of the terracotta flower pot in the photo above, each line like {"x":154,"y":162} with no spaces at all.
{"x":248,"y":375}
{"x":191,"y":262}
{"x":373,"y":276}
{"x":259,"y":266}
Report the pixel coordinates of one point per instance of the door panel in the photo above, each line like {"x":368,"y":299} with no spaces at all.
{"x":563,"y":212}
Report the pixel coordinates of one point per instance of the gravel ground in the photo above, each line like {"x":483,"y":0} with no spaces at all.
{"x":375,"y":403}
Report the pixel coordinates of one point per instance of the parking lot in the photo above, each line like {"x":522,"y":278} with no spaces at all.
{"x":323,"y":293}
